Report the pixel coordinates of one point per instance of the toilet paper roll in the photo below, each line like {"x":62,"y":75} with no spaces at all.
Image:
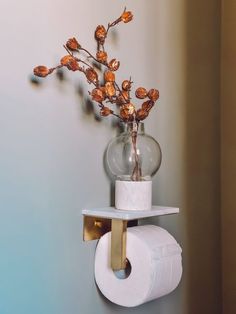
{"x":156,"y":266}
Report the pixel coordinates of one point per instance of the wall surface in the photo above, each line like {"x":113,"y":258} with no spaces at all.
{"x":228,"y":149}
{"x":52,"y":150}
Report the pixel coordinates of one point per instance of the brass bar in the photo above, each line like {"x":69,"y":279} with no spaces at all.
{"x":118,"y":244}
{"x":95,"y":227}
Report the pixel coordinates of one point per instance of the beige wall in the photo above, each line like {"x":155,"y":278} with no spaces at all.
{"x":228,"y":152}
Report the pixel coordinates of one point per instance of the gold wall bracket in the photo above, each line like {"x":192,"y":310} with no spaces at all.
{"x":95,"y":227}
{"x":97,"y":222}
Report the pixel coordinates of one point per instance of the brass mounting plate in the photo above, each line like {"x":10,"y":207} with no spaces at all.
{"x":95,"y":228}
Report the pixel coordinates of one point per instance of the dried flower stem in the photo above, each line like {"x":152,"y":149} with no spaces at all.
{"x":90,"y":55}
{"x":137,"y":172}
{"x":101,"y":105}
{"x":110,"y":25}
{"x":69,"y":52}
{"x":107,"y":90}
{"x":82,"y":61}
{"x":121,"y":93}
{"x":115,"y":22}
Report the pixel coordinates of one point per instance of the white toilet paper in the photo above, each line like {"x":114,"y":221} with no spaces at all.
{"x":156,"y":266}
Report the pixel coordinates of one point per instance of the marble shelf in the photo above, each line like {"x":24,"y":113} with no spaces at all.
{"x":112,"y":213}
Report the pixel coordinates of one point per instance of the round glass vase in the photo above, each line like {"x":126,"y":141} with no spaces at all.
{"x":133,"y":158}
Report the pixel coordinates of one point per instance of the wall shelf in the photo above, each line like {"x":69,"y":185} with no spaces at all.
{"x":98,"y":221}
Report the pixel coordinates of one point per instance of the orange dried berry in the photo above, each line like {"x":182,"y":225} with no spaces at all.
{"x":141,"y":93}
{"x":114,"y":65}
{"x":98,"y":95}
{"x":91,"y":75}
{"x":123,"y":97}
{"x":105,"y":111}
{"x":130,"y":107}
{"x":120,"y":100}
{"x":153,"y":94}
{"x":103,"y":89}
{"x":100,"y":33}
{"x":126,"y":85}
{"x":110,"y":89}
{"x":124,"y":114}
{"x":127,"y":112}
{"x":141,"y":114}
{"x":127,"y":16}
{"x":66,"y":59}
{"x":70,"y":62}
{"x":73,"y":65}
{"x":147,"y":105}
{"x":72,"y":44}
{"x":41,"y":71}
{"x":109,"y":76}
{"x":101,"y":56}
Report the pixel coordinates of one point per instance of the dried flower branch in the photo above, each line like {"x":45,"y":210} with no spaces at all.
{"x":106,"y":90}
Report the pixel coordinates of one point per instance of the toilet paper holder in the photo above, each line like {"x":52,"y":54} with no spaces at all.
{"x":99,"y":221}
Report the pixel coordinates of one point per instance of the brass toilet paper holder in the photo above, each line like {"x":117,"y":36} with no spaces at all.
{"x":99,"y":221}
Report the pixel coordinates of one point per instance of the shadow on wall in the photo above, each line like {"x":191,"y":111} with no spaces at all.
{"x":202,"y":152}
{"x":89,"y":108}
{"x":85,"y":103}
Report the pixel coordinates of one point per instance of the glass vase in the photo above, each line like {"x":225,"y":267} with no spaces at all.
{"x":133,"y":158}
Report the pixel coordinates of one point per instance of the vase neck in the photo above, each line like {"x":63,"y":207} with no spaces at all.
{"x":134,"y":127}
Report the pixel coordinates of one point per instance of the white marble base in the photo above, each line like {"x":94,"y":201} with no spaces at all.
{"x":133,"y":195}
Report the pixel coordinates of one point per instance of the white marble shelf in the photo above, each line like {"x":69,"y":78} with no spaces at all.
{"x":112,"y":213}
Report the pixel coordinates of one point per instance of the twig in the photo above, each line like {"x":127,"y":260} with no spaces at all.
{"x":91,"y":56}
{"x":70,"y":53}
